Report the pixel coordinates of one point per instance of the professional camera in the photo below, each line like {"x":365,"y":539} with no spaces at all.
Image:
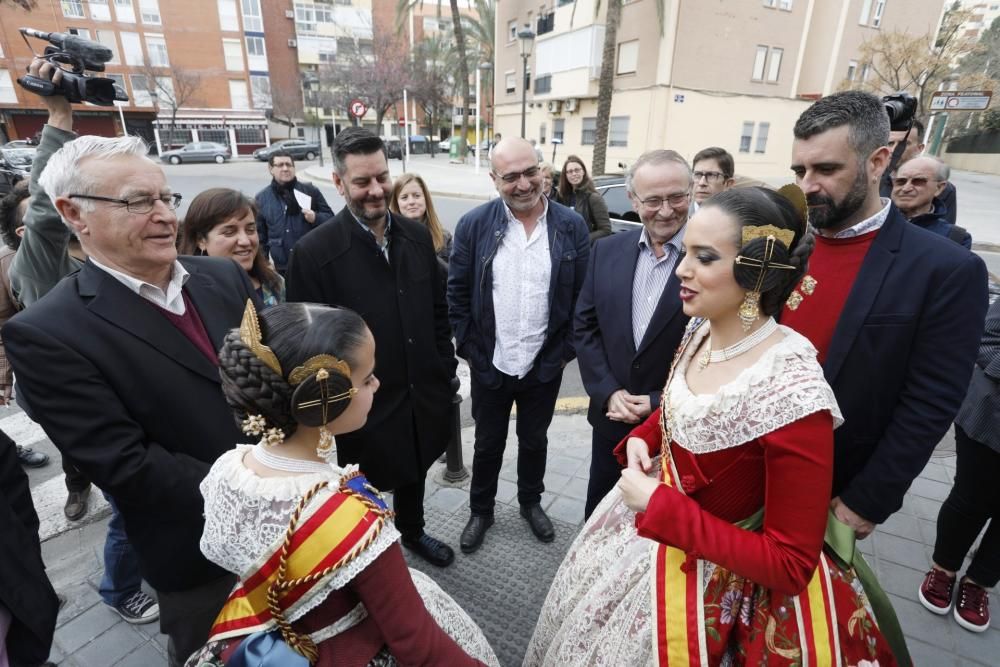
{"x":901,"y":108}
{"x":81,"y":55}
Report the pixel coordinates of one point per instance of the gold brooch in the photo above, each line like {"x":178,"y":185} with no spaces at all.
{"x":808,"y":285}
{"x":794,"y":300}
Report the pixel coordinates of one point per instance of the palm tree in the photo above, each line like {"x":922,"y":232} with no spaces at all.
{"x":605,"y":85}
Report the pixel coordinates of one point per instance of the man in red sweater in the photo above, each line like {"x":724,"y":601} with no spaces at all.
{"x":895,"y":311}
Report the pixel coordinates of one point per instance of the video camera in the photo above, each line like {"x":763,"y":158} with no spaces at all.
{"x":81,"y":55}
{"x":901,"y":108}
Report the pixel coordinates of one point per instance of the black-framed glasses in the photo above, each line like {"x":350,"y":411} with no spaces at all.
{"x":918,"y":181}
{"x":515,"y":176}
{"x":656,"y":203}
{"x":139,"y":205}
{"x":709,"y":176}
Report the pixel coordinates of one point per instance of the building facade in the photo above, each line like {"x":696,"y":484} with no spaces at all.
{"x":729,"y":74}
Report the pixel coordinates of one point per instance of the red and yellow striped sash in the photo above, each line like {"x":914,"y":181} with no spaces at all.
{"x":340,"y":525}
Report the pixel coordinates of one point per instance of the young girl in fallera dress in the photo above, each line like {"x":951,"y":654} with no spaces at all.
{"x":711,"y":550}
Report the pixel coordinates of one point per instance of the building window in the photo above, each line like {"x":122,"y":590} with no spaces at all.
{"x":510,"y":81}
{"x":758,"y":64}
{"x":228,"y":20}
{"x":589,"y":134}
{"x":431,"y":24}
{"x":238,"y":95}
{"x":107,"y":38}
{"x":866,"y":12}
{"x":628,"y":57}
{"x":774,"y":67}
{"x":618,"y":131}
{"x":233,"y":50}
{"x":260,"y":87}
{"x":852,"y":69}
{"x":746,"y":136}
{"x":762,"y":129}
{"x":512,"y":30}
{"x":73,"y":9}
{"x":100,"y":10}
{"x":877,"y":14}
{"x":255,"y":46}
{"x":543,"y":84}
{"x":546,"y":23}
{"x":124,"y":11}
{"x":72,"y":30}
{"x":141,"y":96}
{"x":541,"y":133}
{"x":132,"y":48}
{"x":249,"y":135}
{"x":785,"y":5}
{"x":165,"y":90}
{"x":156,"y":46}
{"x":7,"y":92}
{"x":252,"y":21}
{"x":150,"y":11}
{"x":770,"y":3}
{"x":559,"y":129}
{"x":79,"y":32}
{"x":119,"y":80}
{"x":866,"y":71}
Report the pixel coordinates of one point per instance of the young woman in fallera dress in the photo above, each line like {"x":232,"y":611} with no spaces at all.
{"x":711,"y":550}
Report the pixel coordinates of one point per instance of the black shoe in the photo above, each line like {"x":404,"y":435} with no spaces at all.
{"x":539,"y":522}
{"x":30,"y":458}
{"x":431,"y":550}
{"x":76,"y":504}
{"x":475,"y":531}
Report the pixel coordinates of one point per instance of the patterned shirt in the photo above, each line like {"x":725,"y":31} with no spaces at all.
{"x":863,"y":227}
{"x":651,"y":276}
{"x":384,"y":245}
{"x":171,"y":300}
{"x":521,"y":272}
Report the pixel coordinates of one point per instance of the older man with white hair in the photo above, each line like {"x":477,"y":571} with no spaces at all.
{"x":118,"y":364}
{"x":917,"y":187}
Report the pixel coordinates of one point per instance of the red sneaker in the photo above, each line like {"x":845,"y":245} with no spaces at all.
{"x":973,"y":609}
{"x":936,"y":591}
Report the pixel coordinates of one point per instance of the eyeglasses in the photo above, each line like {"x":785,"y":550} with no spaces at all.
{"x":571,"y":170}
{"x":708,"y":175}
{"x":656,"y":203}
{"x":282,"y":165}
{"x":515,"y":176}
{"x":918,"y":181}
{"x":139,"y":205}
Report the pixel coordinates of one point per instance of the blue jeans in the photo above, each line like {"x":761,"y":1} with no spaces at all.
{"x":121,"y":564}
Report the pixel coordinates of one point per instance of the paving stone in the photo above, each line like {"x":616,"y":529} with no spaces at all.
{"x":79,"y":599}
{"x":85,"y":627}
{"x":979,"y":647}
{"x":563,"y":464}
{"x":922,"y":508}
{"x":928,"y":488}
{"x":926,"y":655}
{"x":506,"y":492}
{"x":901,"y":551}
{"x":569,"y":510}
{"x":448,"y":500}
{"x":917,"y":622}
{"x":113,"y":645}
{"x":555,"y":481}
{"x":147,"y":655}
{"x":937,"y":472}
{"x":577,"y":488}
{"x":899,"y":579}
{"x":902,"y":525}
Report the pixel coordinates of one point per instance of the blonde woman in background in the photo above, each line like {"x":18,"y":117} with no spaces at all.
{"x":410,"y":198}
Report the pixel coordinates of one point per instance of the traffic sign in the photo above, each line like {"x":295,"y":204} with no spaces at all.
{"x":960,"y":100}
{"x":402,"y":122}
{"x":357,"y":108}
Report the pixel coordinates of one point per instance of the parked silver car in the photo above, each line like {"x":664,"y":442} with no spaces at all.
{"x":198,"y":151}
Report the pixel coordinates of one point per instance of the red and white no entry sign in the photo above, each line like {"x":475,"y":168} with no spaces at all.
{"x":358,"y":108}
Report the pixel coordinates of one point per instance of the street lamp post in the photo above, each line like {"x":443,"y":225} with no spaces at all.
{"x":483,"y":67}
{"x":527,"y":40}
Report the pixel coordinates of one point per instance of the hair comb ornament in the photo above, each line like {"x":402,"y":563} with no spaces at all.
{"x":315,"y":364}
{"x":786,"y":236}
{"x":251,"y":337}
{"x":794,"y":194}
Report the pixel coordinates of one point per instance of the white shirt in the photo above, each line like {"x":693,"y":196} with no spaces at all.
{"x":171,"y":300}
{"x":521,"y":272}
{"x":863,"y":227}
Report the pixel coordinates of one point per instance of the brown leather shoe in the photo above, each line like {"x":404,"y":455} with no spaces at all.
{"x":76,"y":504}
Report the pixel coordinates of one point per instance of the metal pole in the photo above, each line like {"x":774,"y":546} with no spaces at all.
{"x":524,"y":93}
{"x":406,"y":128}
{"x":479,"y":108}
{"x":454,"y":465}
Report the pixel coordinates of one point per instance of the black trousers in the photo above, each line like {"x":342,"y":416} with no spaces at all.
{"x":605,"y":471}
{"x":408,"y":503}
{"x":186,"y":617}
{"x":75,"y":480}
{"x":974,"y":500}
{"x":536,"y":402}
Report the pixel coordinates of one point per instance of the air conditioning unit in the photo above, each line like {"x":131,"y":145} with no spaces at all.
{"x":572,"y":104}
{"x":293,"y":43}
{"x":289,"y":13}
{"x":554,"y":106}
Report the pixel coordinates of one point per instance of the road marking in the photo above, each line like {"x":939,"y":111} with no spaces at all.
{"x":50,"y":497}
{"x":21,"y":429}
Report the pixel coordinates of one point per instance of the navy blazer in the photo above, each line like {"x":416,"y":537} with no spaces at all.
{"x":605,"y":347}
{"x":900,"y":361}
{"x":979,"y":416}
{"x":470,"y":287}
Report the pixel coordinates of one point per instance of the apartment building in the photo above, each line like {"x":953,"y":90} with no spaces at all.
{"x":983,"y":15}
{"x":730,"y":74}
{"x":205,"y":60}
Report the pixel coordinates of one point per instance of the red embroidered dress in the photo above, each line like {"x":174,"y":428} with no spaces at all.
{"x":701,"y":590}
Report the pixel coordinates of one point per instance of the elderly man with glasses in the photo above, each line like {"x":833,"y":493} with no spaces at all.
{"x":916,"y":191}
{"x":628,"y":318}
{"x":118,"y":364}
{"x":516,"y":268}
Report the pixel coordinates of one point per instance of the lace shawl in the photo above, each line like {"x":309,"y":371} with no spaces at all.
{"x":783,"y":386}
{"x":246,"y":517}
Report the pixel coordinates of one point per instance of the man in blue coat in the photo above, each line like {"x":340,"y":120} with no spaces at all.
{"x":517,"y":266}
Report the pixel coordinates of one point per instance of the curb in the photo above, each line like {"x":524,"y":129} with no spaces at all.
{"x":319,"y":176}
{"x":986,"y":247}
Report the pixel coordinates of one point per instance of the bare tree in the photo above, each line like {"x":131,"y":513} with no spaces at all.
{"x":430,"y":82}
{"x":174,"y":86}
{"x":286,"y":106}
{"x":375,"y":73}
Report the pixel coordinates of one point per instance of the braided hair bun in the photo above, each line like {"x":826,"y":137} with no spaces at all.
{"x":310,"y":394}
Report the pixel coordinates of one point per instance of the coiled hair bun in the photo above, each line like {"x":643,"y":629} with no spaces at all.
{"x":310,"y":394}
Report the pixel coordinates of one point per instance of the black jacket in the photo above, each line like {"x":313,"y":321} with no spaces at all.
{"x":282,"y":230}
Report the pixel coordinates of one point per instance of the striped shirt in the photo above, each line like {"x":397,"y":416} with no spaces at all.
{"x":651,"y":276}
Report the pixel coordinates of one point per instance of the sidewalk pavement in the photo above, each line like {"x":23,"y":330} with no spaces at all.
{"x":504,"y":584}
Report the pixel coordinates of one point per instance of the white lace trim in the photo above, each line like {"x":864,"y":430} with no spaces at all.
{"x":783,"y":386}
{"x":342,"y":624}
{"x":246,"y":517}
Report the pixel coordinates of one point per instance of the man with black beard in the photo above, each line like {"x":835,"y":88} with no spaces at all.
{"x":384,"y":267}
{"x":896,"y":312}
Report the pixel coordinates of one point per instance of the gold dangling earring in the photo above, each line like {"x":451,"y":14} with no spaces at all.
{"x":749,"y":310}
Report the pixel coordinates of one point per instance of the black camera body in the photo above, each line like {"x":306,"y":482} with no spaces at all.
{"x":76,"y":85}
{"x":901,"y":108}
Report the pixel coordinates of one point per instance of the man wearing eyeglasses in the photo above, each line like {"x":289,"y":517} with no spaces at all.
{"x":916,"y":189}
{"x":516,"y":269}
{"x":628,"y":318}
{"x":118,"y":364}
{"x":713,"y":173}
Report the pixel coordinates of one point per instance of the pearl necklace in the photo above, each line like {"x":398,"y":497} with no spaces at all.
{"x":745,"y":345}
{"x":286,"y":464}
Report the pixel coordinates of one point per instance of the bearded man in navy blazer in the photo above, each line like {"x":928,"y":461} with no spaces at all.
{"x":628,"y":317}
{"x":118,"y":364}
{"x":896,"y":312}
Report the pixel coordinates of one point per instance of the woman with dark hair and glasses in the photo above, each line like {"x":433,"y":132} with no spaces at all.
{"x":576,"y":190}
{"x":222,"y":222}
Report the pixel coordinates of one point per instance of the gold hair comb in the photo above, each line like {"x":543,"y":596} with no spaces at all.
{"x":251,"y":337}
{"x":750,"y":233}
{"x":316,"y":364}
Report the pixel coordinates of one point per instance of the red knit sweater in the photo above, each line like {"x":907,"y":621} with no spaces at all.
{"x":192,"y":327}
